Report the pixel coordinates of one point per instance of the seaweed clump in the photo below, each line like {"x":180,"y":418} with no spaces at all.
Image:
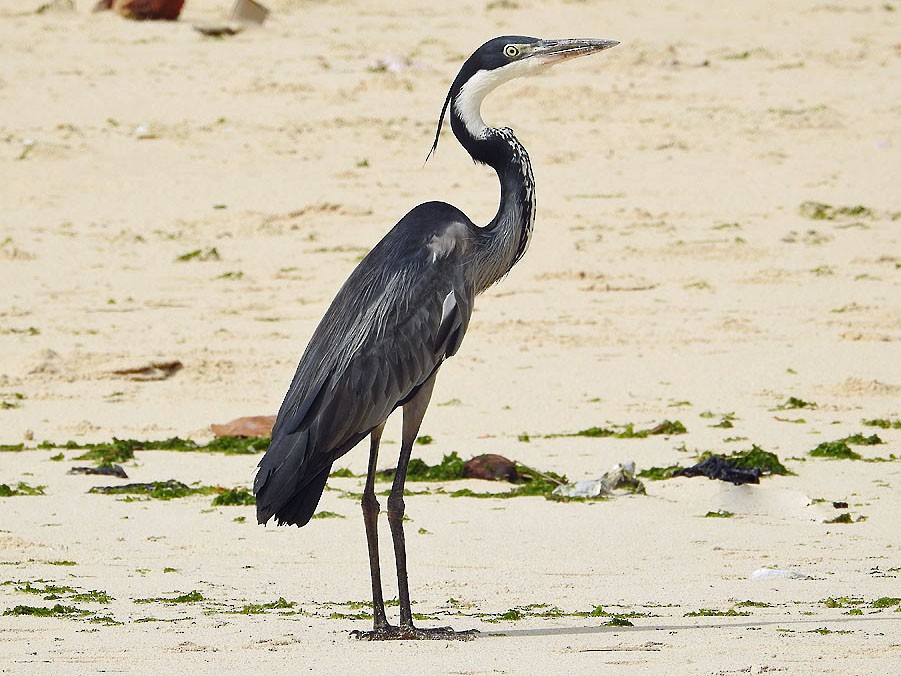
{"x":841,"y":448}
{"x":190,"y":597}
{"x":123,"y":450}
{"x":819,"y":211}
{"x":22,"y":488}
{"x":528,"y":481}
{"x":739,"y":467}
{"x":628,"y":431}
{"x":234,"y":497}
{"x":883,"y":423}
{"x":158,"y":490}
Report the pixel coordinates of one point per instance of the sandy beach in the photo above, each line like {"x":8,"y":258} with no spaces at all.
{"x":718,"y":242}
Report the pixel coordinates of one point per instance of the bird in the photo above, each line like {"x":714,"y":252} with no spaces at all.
{"x":402,"y":312}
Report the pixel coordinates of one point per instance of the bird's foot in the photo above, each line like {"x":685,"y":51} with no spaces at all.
{"x":411,"y":633}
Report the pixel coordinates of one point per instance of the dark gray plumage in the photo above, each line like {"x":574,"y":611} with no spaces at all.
{"x":385,"y":333}
{"x":400,"y":314}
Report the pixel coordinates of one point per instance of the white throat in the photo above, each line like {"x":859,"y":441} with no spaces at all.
{"x":468,"y":102}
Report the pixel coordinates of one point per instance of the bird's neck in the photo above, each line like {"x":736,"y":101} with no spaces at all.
{"x":505,"y":239}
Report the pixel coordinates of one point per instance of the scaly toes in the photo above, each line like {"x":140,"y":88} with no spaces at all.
{"x":411,"y":633}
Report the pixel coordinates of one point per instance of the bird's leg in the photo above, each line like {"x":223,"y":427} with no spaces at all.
{"x":381,"y":630}
{"x":414,"y":410}
{"x":370,"y":519}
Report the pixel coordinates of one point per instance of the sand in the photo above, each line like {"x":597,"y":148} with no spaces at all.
{"x":675,"y":273}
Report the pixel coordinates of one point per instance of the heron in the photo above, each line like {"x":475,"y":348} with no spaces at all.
{"x":401,"y":313}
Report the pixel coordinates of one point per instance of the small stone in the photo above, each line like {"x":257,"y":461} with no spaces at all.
{"x":491,"y":467}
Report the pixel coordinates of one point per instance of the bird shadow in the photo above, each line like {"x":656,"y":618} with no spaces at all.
{"x":604,"y":629}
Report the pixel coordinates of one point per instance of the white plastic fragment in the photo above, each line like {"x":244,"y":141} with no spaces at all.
{"x":27,"y":146}
{"x":620,"y":476}
{"x":589,"y":488}
{"x":143,"y":131}
{"x":769,"y":573}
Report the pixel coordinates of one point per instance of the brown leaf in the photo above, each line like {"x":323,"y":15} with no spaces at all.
{"x":152,"y":371}
{"x":250,"y":426}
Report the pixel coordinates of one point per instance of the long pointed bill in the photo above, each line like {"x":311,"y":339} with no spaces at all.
{"x":549,"y":52}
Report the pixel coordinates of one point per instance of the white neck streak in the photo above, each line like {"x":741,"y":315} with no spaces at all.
{"x":468,"y":101}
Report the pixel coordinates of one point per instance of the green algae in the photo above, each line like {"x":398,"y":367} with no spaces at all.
{"x":190,"y":597}
{"x":531,"y":483}
{"x":449,"y":469}
{"x":859,"y":439}
{"x":58,"y":610}
{"x":819,"y":211}
{"x":659,"y":473}
{"x":835,"y":449}
{"x":883,"y":423}
{"x":627,"y":431}
{"x":793,"y":403}
{"x":123,"y":450}
{"x":328,"y":515}
{"x":710,"y":612}
{"x":15,"y":401}
{"x":262,"y":608}
{"x":234,"y":497}
{"x":855,"y":602}
{"x":756,"y":457}
{"x":886,"y":602}
{"x":618,"y":622}
{"x":21,"y":488}
{"x":157,"y":490}
{"x":208,"y":254}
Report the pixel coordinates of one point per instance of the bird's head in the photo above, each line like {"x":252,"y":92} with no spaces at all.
{"x":500,"y":60}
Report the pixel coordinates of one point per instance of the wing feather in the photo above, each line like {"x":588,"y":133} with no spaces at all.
{"x":399,"y":315}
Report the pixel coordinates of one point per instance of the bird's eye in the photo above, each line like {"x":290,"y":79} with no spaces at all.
{"x":511,"y":51}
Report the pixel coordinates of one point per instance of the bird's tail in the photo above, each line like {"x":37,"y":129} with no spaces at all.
{"x":284,"y":488}
{"x":299,"y":508}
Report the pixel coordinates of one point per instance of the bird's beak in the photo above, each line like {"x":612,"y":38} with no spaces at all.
{"x":549,"y":52}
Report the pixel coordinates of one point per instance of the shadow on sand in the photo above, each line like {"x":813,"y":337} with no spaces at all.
{"x":602,"y":629}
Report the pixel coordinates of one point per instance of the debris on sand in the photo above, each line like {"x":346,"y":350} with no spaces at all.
{"x":248,"y":426}
{"x":741,"y":467}
{"x":770,"y":573}
{"x":218,"y":30}
{"x":620,"y":478}
{"x":491,"y":467}
{"x":248,"y":11}
{"x":152,"y":371}
{"x":243,"y":13}
{"x":141,"y":10}
{"x":103,"y":470}
{"x":718,"y":467}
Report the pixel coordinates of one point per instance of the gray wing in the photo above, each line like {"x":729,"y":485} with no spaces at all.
{"x":402,"y":312}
